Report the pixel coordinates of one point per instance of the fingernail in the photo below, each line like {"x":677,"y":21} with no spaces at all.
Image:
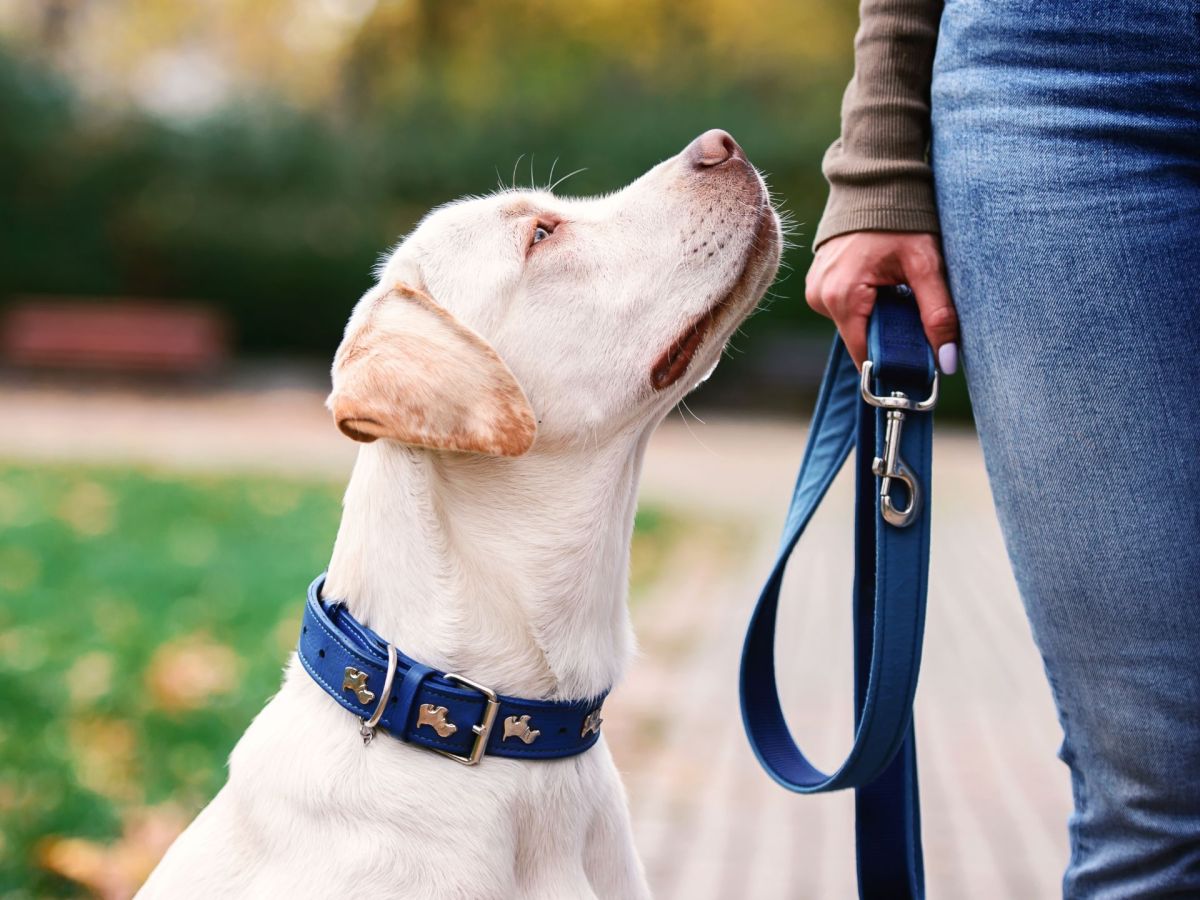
{"x":948,"y":358}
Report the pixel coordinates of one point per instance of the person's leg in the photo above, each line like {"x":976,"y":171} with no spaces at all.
{"x":1066,"y":154}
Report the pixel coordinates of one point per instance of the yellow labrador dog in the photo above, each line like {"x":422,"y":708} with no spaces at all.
{"x":505,"y":375}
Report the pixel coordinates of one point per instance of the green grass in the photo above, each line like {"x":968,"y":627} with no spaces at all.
{"x":111,"y":577}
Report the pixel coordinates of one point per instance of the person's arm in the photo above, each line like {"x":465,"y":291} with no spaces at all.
{"x":878,"y":169}
{"x":880,"y":224}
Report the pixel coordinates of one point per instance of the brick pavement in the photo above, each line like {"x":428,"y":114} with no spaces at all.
{"x":709,"y":823}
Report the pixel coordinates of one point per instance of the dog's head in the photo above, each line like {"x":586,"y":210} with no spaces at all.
{"x":523,"y":315}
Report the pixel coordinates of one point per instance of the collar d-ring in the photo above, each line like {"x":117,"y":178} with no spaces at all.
{"x":367,"y":729}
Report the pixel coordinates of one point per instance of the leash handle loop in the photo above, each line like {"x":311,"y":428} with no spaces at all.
{"x":894,"y":446}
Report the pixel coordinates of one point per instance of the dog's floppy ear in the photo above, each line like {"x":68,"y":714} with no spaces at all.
{"x":408,"y":370}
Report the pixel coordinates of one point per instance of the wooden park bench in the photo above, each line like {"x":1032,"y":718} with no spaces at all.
{"x":113,"y":335}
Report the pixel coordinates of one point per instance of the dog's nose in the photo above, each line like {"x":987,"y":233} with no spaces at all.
{"x":713,"y":148}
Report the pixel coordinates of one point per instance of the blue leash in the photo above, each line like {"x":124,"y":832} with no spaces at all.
{"x":891,"y":552}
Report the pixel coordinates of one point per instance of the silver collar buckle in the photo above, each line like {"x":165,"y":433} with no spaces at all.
{"x":483,"y":728}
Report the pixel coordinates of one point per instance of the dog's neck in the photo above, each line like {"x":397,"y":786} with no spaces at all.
{"x":510,"y":572}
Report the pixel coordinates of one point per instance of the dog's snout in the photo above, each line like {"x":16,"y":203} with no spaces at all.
{"x":713,"y":148}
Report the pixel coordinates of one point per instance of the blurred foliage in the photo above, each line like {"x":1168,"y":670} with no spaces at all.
{"x":260,"y":155}
{"x":337,"y":123}
{"x":144,"y":621}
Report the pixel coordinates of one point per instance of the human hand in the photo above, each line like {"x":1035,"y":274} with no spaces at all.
{"x":847,"y":269}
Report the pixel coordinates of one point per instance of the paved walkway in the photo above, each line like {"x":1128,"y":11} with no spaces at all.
{"x":709,"y":823}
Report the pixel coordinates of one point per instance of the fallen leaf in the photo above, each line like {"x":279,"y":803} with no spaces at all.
{"x":89,"y":678}
{"x":115,"y":871}
{"x":87,"y":508}
{"x":185,"y":674}
{"x":104,"y":754}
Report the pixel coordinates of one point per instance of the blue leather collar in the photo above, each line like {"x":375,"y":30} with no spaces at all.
{"x":420,"y":705}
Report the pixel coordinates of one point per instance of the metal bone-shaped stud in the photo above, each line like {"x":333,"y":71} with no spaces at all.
{"x":591,"y":725}
{"x":356,"y":681}
{"x":435,"y":718}
{"x":519,"y":728}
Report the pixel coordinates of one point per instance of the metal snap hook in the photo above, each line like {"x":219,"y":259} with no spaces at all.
{"x":891,"y":467}
{"x":898,"y":471}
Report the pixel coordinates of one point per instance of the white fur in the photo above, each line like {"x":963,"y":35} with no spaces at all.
{"x":509,"y":570}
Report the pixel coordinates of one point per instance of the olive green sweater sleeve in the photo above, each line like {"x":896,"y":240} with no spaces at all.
{"x":878,"y":170}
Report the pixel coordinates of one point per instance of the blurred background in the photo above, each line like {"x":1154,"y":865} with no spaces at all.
{"x":192,"y":196}
{"x":255,"y":157}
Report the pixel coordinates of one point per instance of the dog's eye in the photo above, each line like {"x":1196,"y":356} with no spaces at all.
{"x":541,"y":232}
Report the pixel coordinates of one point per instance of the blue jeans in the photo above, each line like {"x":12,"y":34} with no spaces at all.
{"x":1066,"y":154}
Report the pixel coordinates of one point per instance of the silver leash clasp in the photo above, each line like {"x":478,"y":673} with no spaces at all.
{"x":891,"y":466}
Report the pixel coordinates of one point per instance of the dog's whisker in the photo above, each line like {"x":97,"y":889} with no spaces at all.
{"x":690,"y":411}
{"x":564,"y":178}
{"x":680,"y":406}
{"x":514,"y":172}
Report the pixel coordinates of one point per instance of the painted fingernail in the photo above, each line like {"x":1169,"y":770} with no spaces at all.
{"x":948,"y":358}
